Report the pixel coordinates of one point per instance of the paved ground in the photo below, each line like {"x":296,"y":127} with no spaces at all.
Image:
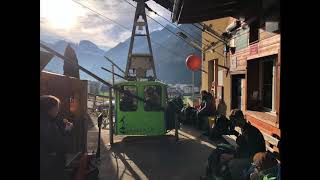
{"x":152,"y":158}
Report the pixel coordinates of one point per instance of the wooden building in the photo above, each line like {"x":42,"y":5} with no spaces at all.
{"x":253,"y":61}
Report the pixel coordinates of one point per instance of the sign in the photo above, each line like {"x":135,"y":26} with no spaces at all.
{"x":233,"y":62}
{"x":193,"y":62}
{"x":254,"y":49}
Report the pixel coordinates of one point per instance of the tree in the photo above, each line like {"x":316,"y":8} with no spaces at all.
{"x":68,"y":69}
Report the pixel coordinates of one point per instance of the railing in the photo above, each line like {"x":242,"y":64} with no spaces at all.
{"x":95,"y":101}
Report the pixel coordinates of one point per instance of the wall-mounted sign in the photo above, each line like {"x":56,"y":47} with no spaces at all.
{"x":254,"y":49}
{"x":233,"y":62}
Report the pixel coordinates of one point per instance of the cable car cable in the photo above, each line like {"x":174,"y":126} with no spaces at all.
{"x":102,"y":16}
{"x":163,"y":26}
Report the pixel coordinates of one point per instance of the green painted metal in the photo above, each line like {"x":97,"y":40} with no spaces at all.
{"x":140,"y":122}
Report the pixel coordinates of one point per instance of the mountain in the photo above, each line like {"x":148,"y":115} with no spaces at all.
{"x":169,"y":56}
{"x":88,"y":54}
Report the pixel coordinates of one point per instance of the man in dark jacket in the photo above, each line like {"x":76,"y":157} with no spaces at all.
{"x":249,"y":143}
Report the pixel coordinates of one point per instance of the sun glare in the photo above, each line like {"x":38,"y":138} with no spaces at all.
{"x":61,"y":14}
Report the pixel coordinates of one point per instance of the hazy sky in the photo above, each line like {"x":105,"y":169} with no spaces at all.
{"x":65,"y":19}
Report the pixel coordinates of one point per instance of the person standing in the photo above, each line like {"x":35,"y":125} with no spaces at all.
{"x":204,"y":109}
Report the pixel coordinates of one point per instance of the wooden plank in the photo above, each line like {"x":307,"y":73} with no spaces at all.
{"x":262,"y":126}
{"x":278,"y":73}
{"x":265,"y":117}
{"x":215,"y":78}
{"x":270,"y":139}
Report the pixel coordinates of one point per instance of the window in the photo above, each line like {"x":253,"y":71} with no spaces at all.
{"x":127,"y":102}
{"x":241,"y":39}
{"x":254,"y":31}
{"x":267,"y":79}
{"x":261,"y":84}
{"x":152,"y":95}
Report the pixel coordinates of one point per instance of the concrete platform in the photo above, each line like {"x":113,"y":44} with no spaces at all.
{"x":157,"y":157}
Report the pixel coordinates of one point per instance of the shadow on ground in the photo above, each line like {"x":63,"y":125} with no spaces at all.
{"x":161,"y":157}
{"x":155,"y":157}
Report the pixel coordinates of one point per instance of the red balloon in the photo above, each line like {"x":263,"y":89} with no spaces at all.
{"x":193,"y":62}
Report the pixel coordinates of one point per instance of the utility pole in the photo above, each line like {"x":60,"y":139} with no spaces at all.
{"x":112,"y":74}
{"x":193,"y":88}
{"x":110,"y":117}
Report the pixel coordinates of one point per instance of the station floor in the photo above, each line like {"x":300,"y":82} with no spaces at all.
{"x":152,"y":158}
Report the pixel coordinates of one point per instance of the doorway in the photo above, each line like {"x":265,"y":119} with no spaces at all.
{"x":237,"y":91}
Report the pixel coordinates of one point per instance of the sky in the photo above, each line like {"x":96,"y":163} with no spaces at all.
{"x":67,"y":20}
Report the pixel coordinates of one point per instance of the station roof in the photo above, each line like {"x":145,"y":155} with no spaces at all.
{"x":168,"y":4}
{"x":192,"y":11}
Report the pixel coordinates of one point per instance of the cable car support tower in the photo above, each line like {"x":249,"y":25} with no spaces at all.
{"x":140,"y":65}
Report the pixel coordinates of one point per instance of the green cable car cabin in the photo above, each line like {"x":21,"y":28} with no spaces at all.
{"x":137,"y":117}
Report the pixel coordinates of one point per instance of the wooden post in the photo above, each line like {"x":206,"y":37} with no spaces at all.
{"x":112,"y":74}
{"x":193,"y":88}
{"x":110,"y":117}
{"x":94,"y":102}
{"x":215,"y":78}
{"x":278,"y":73}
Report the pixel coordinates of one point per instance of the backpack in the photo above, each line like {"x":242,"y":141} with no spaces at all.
{"x":221,"y":127}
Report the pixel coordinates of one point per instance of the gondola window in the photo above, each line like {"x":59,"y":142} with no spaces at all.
{"x":152,"y":95}
{"x":127,"y":102}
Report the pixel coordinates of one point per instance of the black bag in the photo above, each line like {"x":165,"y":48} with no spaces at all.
{"x":214,"y":168}
{"x":221,"y":127}
{"x":190,"y":115}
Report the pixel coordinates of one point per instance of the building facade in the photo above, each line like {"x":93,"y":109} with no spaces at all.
{"x":213,"y":62}
{"x":247,"y":75}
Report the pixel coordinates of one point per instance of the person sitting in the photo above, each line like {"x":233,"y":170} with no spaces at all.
{"x":249,"y":143}
{"x":126,"y":102}
{"x":153,"y":101}
{"x":264,"y":166}
{"x":221,"y":122}
{"x":52,"y":139}
{"x":222,"y":107}
{"x":220,"y":127}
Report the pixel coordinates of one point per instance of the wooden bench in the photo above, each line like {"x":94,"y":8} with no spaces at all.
{"x":272,"y":144}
